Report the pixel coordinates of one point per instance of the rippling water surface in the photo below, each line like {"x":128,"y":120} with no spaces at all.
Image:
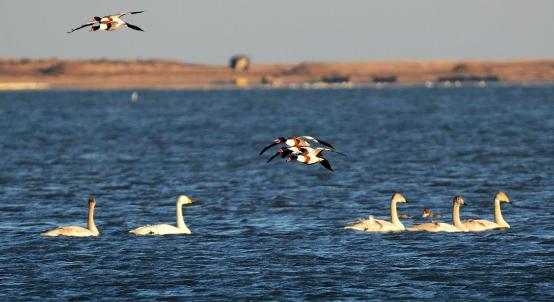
{"x":274,"y":231}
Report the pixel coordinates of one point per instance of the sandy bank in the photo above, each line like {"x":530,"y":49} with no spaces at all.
{"x":162,"y":74}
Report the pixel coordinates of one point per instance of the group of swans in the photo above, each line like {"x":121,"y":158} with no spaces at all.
{"x":160,"y":229}
{"x":376,"y":225}
{"x":367,"y":225}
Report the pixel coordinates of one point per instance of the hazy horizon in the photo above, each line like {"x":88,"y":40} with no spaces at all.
{"x":210,"y":32}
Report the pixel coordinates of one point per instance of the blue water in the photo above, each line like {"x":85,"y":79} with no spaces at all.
{"x":274,"y":231}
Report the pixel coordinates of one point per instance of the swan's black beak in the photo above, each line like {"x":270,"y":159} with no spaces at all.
{"x":465,"y":204}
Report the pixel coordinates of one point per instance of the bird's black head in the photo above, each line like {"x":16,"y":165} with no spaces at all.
{"x":292,"y":157}
{"x":280,"y":140}
{"x":284,"y":152}
{"x":96,"y":18}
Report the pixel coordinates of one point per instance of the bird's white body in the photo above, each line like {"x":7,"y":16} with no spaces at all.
{"x":297,"y":142}
{"x":77,"y":231}
{"x":112,"y":23}
{"x":435,"y":227}
{"x":486,"y":225}
{"x":377,"y":225}
{"x":160,"y":229}
{"x":166,"y":229}
{"x":308,"y":159}
{"x":444,"y":227}
{"x":71,"y":231}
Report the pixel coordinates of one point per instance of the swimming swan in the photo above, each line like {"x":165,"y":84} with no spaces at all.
{"x":376,"y":225}
{"x":445,"y":227}
{"x":166,"y":229}
{"x":77,"y":231}
{"x":499,"y":222}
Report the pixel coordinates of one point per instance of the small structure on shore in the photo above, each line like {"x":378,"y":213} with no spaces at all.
{"x":462,"y":73}
{"x":239,"y":63}
{"x":52,"y":70}
{"x":335,"y":78}
{"x":469,"y":78}
{"x":271,"y":80}
{"x":384,"y":78}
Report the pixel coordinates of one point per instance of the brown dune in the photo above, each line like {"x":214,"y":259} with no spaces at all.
{"x":163,"y":74}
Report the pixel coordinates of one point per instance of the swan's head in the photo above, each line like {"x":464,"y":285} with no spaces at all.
{"x":184,"y":200}
{"x":91,"y":201}
{"x":397,"y":197}
{"x":459,"y":200}
{"x":502,"y":197}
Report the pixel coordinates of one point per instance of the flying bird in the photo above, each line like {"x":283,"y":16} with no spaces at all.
{"x":108,"y":23}
{"x":283,"y":152}
{"x":311,"y":156}
{"x":296,"y":141}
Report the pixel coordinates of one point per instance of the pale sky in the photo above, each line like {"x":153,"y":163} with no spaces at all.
{"x":283,"y":31}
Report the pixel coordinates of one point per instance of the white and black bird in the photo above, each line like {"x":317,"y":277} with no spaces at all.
{"x":296,"y":142}
{"x":109,"y":23}
{"x":286,"y":151}
{"x":311,"y":156}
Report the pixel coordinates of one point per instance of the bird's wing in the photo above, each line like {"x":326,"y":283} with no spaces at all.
{"x":125,"y":13}
{"x":326,"y":164}
{"x":319,"y":150}
{"x":82,"y":26}
{"x":131,"y":26}
{"x":481,"y":223}
{"x":318,"y":141}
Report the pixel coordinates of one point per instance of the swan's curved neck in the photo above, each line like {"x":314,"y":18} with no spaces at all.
{"x":394,"y":214}
{"x":498,"y":219}
{"x":91,"y":225}
{"x":456,"y":218}
{"x":180,"y":220}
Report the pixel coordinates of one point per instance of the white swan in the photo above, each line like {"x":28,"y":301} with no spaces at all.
{"x":376,"y":225}
{"x":445,"y":227}
{"x":499,"y":222}
{"x":77,"y":231}
{"x":166,"y":229}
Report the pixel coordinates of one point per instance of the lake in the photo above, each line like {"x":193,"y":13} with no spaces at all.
{"x":275,"y":231}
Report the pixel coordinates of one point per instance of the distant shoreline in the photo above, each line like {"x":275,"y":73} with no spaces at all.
{"x":42,"y":74}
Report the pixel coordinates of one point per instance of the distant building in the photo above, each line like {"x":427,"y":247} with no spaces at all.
{"x":469,"y":78}
{"x":388,"y":78}
{"x":271,"y":80}
{"x":335,"y":78}
{"x":239,"y":63}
